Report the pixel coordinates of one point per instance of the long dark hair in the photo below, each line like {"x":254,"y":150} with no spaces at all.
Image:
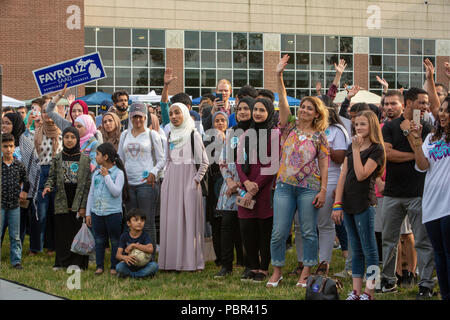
{"x":441,"y":130}
{"x":333,"y":117}
{"x":107,"y":149}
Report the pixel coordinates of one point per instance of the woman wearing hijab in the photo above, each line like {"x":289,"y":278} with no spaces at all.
{"x":48,"y":143}
{"x":76,"y":109}
{"x":230,"y":231}
{"x":256,"y":223}
{"x":214,"y":179}
{"x":88,"y":143}
{"x":70,"y":176}
{"x":13,"y":123}
{"x":182,"y":217}
{"x":110,"y":129}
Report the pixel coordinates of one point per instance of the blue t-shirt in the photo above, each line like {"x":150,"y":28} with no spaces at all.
{"x":126,"y":240}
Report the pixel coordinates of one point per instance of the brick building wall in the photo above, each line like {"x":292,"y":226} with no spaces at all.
{"x":34,"y":34}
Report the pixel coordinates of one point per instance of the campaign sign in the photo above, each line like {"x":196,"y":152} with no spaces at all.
{"x":74,"y":72}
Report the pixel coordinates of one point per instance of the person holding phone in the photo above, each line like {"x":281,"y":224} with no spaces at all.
{"x":403,"y":196}
{"x":256,"y":223}
{"x":223,"y":94}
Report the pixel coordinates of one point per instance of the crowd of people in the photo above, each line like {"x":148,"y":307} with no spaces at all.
{"x":372,"y":176}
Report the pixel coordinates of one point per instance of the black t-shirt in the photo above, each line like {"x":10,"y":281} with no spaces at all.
{"x":359,"y":195}
{"x":402,"y":180}
{"x":126,"y":240}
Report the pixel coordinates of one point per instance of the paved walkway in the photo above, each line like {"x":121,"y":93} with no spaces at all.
{"x":15,"y":291}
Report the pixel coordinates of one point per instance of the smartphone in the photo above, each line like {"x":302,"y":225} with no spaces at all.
{"x":240,"y":202}
{"x":416,"y":116}
{"x":219,"y":95}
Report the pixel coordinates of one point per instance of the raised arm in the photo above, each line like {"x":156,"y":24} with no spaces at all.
{"x":168,"y":78}
{"x":283,"y":104}
{"x":383,"y":83}
{"x":431,"y":88}
{"x":60,"y":122}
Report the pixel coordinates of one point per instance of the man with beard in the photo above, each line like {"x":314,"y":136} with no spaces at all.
{"x":120,"y":100}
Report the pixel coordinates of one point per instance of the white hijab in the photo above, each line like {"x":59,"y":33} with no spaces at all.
{"x":179,"y":135}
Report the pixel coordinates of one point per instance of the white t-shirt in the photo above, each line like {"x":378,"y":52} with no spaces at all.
{"x":137,"y":156}
{"x":337,"y":141}
{"x":436,"y":196}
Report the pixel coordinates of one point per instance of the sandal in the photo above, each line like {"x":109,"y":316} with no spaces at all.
{"x":297,"y":271}
{"x":113,"y":272}
{"x":274,"y":284}
{"x":98,"y":272}
{"x":301,"y":284}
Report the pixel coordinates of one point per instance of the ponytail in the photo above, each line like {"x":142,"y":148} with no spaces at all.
{"x":108,"y":149}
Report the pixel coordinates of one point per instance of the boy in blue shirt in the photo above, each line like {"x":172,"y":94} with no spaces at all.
{"x":134,"y":238}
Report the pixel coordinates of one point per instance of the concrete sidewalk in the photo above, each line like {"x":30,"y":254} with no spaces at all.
{"x":15,"y":291}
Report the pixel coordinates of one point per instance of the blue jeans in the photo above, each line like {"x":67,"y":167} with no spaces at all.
{"x":287,"y":199}
{"x":148,"y":270}
{"x":342,"y":236}
{"x":11,"y":218}
{"x":361,"y":234}
{"x":438,"y":232}
{"x":104,"y":227}
{"x":143,"y":197}
{"x":45,"y":210}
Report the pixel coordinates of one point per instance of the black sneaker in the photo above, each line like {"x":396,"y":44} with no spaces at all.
{"x":389,"y":287}
{"x":424,"y":293}
{"x":222,"y":273}
{"x":259,"y":277}
{"x":408,"y":280}
{"x":248,"y":275}
{"x":18,"y":266}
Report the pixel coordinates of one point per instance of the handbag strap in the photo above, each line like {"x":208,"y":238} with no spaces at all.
{"x":318,"y":268}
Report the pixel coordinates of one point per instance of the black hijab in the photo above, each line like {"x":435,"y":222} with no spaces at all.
{"x":72,"y":154}
{"x":268,"y":124}
{"x":244,"y":125}
{"x":18,"y":126}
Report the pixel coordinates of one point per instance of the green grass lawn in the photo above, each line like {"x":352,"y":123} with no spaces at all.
{"x":38,"y":273}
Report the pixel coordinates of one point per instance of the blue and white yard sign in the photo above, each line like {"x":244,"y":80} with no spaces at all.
{"x":74,"y":72}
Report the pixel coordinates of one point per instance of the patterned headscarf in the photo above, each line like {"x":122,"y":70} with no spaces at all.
{"x":89,"y":124}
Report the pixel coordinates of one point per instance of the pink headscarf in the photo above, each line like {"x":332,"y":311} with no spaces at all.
{"x":89,"y":124}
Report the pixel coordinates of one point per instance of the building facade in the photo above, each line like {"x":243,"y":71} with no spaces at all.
{"x":242,"y":41}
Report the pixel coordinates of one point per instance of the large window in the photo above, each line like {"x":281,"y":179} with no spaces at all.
{"x":211,"y":56}
{"x":134,"y":59}
{"x":399,"y":62}
{"x":312,"y":60}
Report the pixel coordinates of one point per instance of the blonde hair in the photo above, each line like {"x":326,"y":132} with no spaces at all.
{"x":224,"y":81}
{"x":375,"y":135}
{"x":321,"y":122}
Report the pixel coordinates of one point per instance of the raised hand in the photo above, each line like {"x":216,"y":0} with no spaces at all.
{"x":318,"y":88}
{"x":383,"y":83}
{"x":447,"y":70}
{"x":341,"y":66}
{"x":282,"y":64}
{"x":429,"y":69}
{"x":168,"y":76}
{"x":63,"y":91}
{"x":71,"y":98}
{"x":353,"y":91}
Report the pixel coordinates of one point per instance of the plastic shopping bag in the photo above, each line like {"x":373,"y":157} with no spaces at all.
{"x":84,"y":242}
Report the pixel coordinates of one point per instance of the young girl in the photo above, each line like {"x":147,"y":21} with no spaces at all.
{"x":70,"y":178}
{"x":109,"y":188}
{"x":88,"y":143}
{"x":355,"y":199}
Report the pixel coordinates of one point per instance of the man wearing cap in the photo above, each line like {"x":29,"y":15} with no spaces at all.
{"x":104,"y":108}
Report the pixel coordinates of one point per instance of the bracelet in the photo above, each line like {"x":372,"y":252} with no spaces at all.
{"x":338,"y":203}
{"x":338,"y":209}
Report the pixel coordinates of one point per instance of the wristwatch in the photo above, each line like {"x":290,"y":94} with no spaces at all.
{"x":405,"y":132}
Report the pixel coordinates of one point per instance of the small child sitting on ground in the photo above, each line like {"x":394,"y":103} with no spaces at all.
{"x":134,"y":238}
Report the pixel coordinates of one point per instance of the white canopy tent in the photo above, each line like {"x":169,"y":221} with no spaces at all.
{"x":361,"y":96}
{"x":8,"y":101}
